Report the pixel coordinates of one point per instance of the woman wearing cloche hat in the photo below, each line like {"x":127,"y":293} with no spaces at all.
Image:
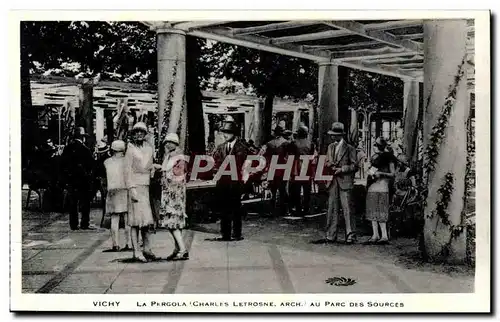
{"x":138,"y":169}
{"x":173,"y":195}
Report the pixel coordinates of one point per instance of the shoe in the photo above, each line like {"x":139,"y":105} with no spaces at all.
{"x":75,"y":228}
{"x":238,"y":238}
{"x":324,"y":241}
{"x":382,"y":241}
{"x":181,"y":256}
{"x":220,"y":239}
{"x":371,"y":241}
{"x":127,"y":248}
{"x":173,"y":255}
{"x":114,"y":249}
{"x":150,"y":256}
{"x":350,"y":238}
{"x":140,"y":258}
{"x":88,"y":228}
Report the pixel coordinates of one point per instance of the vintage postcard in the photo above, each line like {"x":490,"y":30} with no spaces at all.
{"x":315,"y":161}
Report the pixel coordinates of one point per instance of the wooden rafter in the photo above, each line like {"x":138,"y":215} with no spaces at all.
{"x":186,"y":26}
{"x":378,"y":69}
{"x":378,"y":35}
{"x":411,"y":36}
{"x":261,"y":43}
{"x":370,"y":54}
{"x":273,"y":27}
{"x":342,"y":47}
{"x":309,"y":37}
{"x":388,"y":25}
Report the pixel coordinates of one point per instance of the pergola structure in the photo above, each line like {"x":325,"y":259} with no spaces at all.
{"x":397,"y":48}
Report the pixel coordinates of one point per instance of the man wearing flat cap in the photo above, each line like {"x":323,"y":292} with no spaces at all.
{"x":341,"y":160}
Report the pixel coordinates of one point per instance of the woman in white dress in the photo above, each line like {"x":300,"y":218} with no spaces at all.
{"x":138,"y":169}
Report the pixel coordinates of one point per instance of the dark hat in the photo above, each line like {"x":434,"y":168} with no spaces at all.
{"x":229,"y":127}
{"x":102,"y":147}
{"x":302,"y":130}
{"x":337,"y":129}
{"x":80,"y":132}
{"x":381,"y":142}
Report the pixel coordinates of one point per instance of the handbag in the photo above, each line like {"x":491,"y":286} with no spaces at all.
{"x":106,"y":221}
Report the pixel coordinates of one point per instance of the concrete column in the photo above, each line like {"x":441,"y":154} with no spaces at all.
{"x":410,"y":118}
{"x":99,"y":124}
{"x":445,"y":84}
{"x":353,"y":128}
{"x":296,"y":119}
{"x":328,"y":107}
{"x":172,"y":111}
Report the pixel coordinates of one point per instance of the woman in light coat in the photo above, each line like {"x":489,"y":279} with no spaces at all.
{"x":138,"y":169}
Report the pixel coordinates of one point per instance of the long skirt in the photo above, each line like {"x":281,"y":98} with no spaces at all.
{"x":139,"y":213}
{"x":377,"y":201}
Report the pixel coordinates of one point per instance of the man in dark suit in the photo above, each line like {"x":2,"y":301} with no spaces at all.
{"x":229,"y":188}
{"x":77,"y":166}
{"x":278,"y":146}
{"x":341,"y":159}
{"x":301,"y":146}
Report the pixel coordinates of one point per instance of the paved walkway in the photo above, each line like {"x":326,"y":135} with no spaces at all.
{"x":58,"y":260}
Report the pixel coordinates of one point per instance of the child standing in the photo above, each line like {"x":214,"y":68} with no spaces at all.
{"x":117,"y":196}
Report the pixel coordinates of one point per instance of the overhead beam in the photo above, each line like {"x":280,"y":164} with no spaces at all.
{"x":186,"y":26}
{"x":260,"y":43}
{"x":370,"y":54}
{"x":396,"y":60}
{"x":411,"y":36}
{"x":309,"y":37}
{"x":393,"y":24}
{"x":273,"y":27}
{"x":378,"y":35}
{"x":343,"y":47}
{"x":389,"y":71}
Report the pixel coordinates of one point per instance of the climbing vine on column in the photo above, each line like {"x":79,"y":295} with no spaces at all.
{"x":431,"y":155}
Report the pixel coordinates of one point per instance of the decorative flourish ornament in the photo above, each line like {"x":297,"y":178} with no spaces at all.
{"x":340,"y":281}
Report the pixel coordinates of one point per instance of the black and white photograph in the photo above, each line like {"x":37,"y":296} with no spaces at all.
{"x":278,"y":156}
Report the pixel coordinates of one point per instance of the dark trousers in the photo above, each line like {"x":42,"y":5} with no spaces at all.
{"x":80,"y":198}
{"x":229,"y":197}
{"x":301,"y":205}
{"x":279,"y":204}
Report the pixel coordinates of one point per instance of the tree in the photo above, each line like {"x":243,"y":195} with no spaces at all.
{"x":268,"y":74}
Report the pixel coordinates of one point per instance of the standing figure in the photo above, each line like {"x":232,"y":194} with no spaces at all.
{"x":342,"y":162}
{"x":117,"y":194}
{"x":381,"y":173}
{"x":138,"y":169}
{"x":278,"y":146}
{"x":301,"y":146}
{"x":173,"y":196}
{"x":228,"y":190}
{"x":78,"y":165}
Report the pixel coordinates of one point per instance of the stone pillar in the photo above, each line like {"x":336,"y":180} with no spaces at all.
{"x":172,"y":111}
{"x":328,"y":107}
{"x":99,"y":124}
{"x":445,"y":87}
{"x":353,"y":128}
{"x":410,"y":119}
{"x":296,"y":119}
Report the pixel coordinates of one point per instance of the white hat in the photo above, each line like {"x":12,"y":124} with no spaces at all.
{"x":172,"y":137}
{"x":118,"y":146}
{"x":140,"y":126}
